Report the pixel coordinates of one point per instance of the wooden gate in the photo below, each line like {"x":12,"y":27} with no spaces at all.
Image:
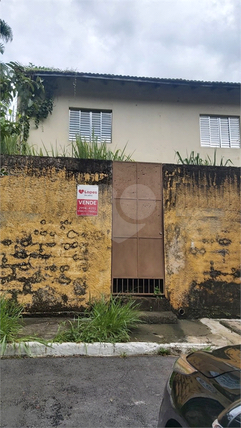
{"x":137,"y":250}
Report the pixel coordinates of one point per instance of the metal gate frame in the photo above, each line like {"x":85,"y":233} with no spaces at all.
{"x":137,"y":229}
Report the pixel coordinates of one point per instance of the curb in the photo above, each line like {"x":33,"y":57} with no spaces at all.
{"x":36,"y":349}
{"x":231,"y":325}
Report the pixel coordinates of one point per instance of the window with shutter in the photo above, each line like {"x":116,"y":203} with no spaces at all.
{"x":88,"y":123}
{"x":220,"y":131}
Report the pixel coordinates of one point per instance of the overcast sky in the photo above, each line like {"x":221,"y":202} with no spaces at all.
{"x":189,"y":39}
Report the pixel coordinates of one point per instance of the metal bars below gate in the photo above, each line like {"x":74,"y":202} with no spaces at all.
{"x":139,"y":286}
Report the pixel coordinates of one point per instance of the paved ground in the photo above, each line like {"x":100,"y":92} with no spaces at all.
{"x":100,"y":392}
{"x":184,"y":336}
{"x":184,"y":331}
{"x":83,"y":391}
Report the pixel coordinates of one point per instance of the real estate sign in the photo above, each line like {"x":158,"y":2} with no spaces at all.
{"x":87,"y":200}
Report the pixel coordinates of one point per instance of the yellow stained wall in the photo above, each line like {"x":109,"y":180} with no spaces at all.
{"x":202,"y":239}
{"x":51,"y":259}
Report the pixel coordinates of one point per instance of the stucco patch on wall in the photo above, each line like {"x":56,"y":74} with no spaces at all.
{"x":51,"y":259}
{"x":176,"y":253}
{"x":201,"y":235}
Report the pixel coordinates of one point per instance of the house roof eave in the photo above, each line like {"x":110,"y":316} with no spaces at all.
{"x":135,"y":79}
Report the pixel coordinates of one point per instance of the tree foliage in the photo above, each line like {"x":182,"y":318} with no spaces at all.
{"x":34,"y":100}
{"x":5,"y":34}
{"x":35,"y":97}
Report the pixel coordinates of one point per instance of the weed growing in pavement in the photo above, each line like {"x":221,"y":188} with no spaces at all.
{"x":163,"y":351}
{"x":104,"y":321}
{"x":11,"y":325}
{"x":207,"y":349}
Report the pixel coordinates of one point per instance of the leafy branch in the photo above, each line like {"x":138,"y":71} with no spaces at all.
{"x":35,"y":99}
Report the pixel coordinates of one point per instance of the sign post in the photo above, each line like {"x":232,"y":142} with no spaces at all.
{"x":87,"y":200}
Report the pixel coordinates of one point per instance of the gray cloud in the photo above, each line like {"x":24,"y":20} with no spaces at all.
{"x":190,"y":39}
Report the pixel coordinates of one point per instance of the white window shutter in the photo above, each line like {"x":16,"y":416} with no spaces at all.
{"x":87,"y":123}
{"x":74,"y":124}
{"x":224,"y":132}
{"x":205,"y":131}
{"x":96,"y":125}
{"x":219,"y":131}
{"x":106,"y":126}
{"x":214,"y":132}
{"x":234,"y":132}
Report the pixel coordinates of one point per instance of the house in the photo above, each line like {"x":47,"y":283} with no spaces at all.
{"x":154,"y":117}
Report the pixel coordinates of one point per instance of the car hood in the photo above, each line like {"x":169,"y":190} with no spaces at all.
{"x":217,"y":362}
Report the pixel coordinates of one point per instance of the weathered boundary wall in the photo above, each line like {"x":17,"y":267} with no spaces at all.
{"x":51,"y":259}
{"x":202,"y":240}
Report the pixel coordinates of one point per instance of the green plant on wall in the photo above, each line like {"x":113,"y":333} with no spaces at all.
{"x":195,"y":159}
{"x":83,"y":149}
{"x":80,"y":149}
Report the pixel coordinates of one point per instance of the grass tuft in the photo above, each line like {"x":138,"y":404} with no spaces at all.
{"x":163,"y":351}
{"x":11,"y":325}
{"x":83,"y":149}
{"x":106,"y":321}
{"x":195,"y":159}
{"x":80,"y":149}
{"x":10,"y":317}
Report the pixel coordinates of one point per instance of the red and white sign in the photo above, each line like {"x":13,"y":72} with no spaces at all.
{"x":87,"y":200}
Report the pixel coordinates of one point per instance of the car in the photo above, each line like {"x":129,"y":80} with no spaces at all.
{"x":204,"y":390}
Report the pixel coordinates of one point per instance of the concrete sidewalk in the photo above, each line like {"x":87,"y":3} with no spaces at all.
{"x":183,"y":336}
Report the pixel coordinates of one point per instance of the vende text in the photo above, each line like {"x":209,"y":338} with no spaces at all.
{"x":85,"y":202}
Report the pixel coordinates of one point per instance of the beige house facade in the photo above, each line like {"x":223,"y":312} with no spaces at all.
{"x":153,"y":118}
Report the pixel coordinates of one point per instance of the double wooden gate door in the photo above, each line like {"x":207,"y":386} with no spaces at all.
{"x":137,"y":236}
